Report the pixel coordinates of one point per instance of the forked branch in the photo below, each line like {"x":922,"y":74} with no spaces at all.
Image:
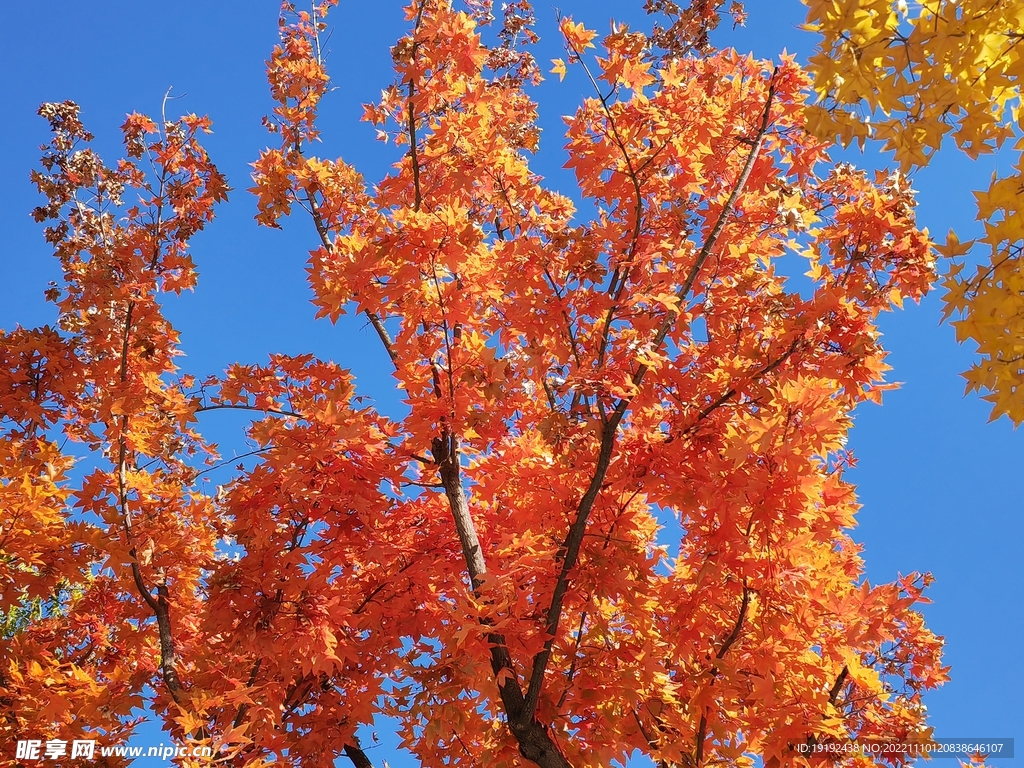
{"x":568,"y":553}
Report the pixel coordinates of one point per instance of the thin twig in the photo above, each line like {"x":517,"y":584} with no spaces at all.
{"x":242,"y":407}
{"x":411,"y":109}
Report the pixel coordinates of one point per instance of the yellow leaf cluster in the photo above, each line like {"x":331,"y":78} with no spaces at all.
{"x":914,"y":75}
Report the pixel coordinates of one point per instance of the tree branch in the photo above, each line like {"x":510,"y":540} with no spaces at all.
{"x":568,"y":553}
{"x":620,"y":276}
{"x":232,"y":460}
{"x":833,"y":696}
{"x":717,"y":229}
{"x":354,"y":753}
{"x":243,"y":707}
{"x":158,"y":605}
{"x":570,"y":331}
{"x":373,"y":317}
{"x":413,"y":151}
{"x":729,"y":393}
{"x":535,"y":743}
{"x":379,"y":588}
{"x":575,"y":658}
{"x":732,"y":637}
{"x":411,"y":109}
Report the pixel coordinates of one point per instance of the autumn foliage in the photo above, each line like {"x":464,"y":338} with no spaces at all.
{"x":490,"y":566}
{"x":919,"y":75}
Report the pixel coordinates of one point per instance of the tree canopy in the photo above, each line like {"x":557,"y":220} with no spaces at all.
{"x":917,"y":75}
{"x":485,"y":567}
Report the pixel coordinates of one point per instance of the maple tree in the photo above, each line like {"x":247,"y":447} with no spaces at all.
{"x":916,"y":74}
{"x":487,"y":567}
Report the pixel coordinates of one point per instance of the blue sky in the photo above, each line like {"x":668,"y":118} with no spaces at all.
{"x":941,"y":487}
